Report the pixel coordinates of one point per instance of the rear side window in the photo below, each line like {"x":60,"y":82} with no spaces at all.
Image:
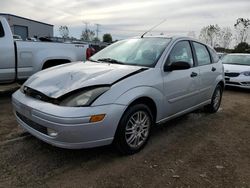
{"x":202,"y":54}
{"x":215,"y":57}
{"x":181,"y":52}
{"x":1,"y":30}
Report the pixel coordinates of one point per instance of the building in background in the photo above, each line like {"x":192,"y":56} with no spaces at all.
{"x":27,"y":28}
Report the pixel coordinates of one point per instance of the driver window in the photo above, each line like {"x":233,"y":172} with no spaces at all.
{"x":181,"y":52}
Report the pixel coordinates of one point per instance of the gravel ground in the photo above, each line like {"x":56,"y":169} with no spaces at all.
{"x":196,"y":150}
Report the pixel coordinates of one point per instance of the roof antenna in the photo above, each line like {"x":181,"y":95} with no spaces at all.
{"x":153,"y":27}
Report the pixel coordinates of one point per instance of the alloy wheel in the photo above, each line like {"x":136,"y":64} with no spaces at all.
{"x":137,"y":129}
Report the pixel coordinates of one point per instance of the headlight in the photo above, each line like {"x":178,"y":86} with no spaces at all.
{"x":83,"y":98}
{"x":23,"y":89}
{"x":246,"y":73}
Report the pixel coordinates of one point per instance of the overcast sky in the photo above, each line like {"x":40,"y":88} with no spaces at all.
{"x":126,"y":18}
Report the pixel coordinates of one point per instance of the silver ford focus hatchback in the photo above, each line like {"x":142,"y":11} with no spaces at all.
{"x":120,"y":93}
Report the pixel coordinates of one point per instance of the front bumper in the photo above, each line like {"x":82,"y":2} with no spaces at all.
{"x":240,"y":81}
{"x":70,"y":123}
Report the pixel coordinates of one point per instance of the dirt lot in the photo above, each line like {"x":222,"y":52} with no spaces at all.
{"x":197,"y":150}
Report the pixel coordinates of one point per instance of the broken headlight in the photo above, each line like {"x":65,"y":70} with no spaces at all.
{"x":83,"y":98}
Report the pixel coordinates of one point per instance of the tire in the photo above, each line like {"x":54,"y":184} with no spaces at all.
{"x":215,"y":101}
{"x":134,"y":129}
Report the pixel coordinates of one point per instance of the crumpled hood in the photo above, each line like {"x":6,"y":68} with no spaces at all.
{"x":57,"y":81}
{"x":236,"y":68}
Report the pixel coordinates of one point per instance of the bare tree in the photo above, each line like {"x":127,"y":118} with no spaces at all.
{"x":64,"y":31}
{"x":210,"y":34}
{"x":242,"y":27}
{"x":225,"y":37}
{"x":87,"y":35}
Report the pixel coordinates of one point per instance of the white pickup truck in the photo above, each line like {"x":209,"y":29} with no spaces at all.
{"x":21,"y":59}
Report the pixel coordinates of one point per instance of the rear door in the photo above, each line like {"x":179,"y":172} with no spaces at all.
{"x":7,"y":53}
{"x":207,"y":70}
{"x":181,"y":87}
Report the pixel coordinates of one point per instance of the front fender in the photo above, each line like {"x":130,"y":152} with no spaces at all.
{"x":143,"y":91}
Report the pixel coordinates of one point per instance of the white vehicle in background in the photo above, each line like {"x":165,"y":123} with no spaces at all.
{"x":221,"y":54}
{"x":237,"y":70}
{"x":20,"y":59}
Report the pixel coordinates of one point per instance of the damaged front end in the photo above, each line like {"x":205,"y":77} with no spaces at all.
{"x":78,"y":98}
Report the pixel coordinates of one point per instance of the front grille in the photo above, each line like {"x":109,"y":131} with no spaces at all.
{"x":38,"y":95}
{"x":32,"y":124}
{"x":232,"y":74}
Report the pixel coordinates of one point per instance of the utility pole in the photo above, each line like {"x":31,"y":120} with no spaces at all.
{"x":86,"y":24}
{"x":97,"y":29}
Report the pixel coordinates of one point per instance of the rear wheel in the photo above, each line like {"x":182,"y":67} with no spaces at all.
{"x":215,"y":101}
{"x":134,"y":129}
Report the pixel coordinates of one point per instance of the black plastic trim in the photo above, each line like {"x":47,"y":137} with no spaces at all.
{"x":32,"y":124}
{"x":16,"y":61}
{"x":130,"y":74}
{"x":38,"y":95}
{"x":2,"y":33}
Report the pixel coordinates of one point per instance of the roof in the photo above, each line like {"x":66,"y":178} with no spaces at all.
{"x":174,"y":37}
{"x":4,"y":14}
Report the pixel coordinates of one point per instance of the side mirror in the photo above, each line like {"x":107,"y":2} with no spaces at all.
{"x":179,"y":65}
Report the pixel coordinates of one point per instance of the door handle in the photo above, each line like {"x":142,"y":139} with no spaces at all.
{"x":194,"y":74}
{"x":213,"y":69}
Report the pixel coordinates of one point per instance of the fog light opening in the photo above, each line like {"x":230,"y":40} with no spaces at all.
{"x":96,"y":118}
{"x":51,"y":132}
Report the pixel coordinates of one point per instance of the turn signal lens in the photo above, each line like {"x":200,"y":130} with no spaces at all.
{"x":96,"y":118}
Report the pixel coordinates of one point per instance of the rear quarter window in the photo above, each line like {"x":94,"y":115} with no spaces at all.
{"x":1,"y":30}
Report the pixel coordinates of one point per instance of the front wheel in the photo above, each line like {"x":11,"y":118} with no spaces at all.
{"x":215,"y":101}
{"x":134,"y":129}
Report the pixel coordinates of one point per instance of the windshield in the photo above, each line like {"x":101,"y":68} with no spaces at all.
{"x":139,"y":51}
{"x":237,"y":59}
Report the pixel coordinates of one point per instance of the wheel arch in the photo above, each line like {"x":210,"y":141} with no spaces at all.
{"x":54,"y":62}
{"x":150,"y":96}
{"x":149,"y":102}
{"x":222,"y":84}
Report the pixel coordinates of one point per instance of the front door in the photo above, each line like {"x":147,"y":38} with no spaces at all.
{"x":181,"y":87}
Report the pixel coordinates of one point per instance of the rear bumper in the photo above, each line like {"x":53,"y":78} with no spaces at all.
{"x":71,"y":124}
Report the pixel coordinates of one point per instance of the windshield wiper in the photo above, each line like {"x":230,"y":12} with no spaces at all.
{"x":92,"y":60}
{"x":110,"y":60}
